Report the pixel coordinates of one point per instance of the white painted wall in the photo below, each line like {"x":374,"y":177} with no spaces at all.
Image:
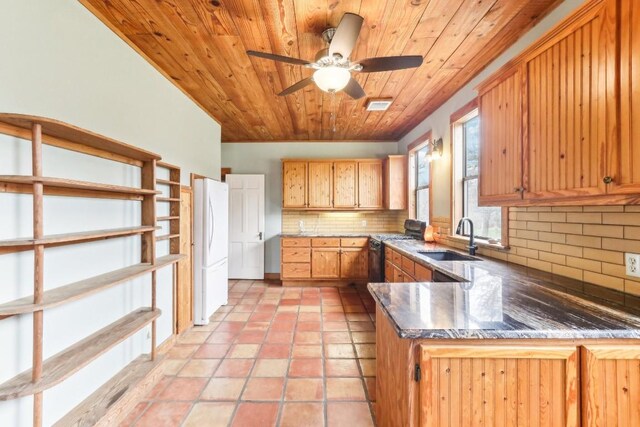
{"x":264,"y":158}
{"x":59,"y":61}
{"x":438,"y":122}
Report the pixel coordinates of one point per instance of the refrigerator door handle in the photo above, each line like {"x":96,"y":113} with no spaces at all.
{"x":212,"y":223}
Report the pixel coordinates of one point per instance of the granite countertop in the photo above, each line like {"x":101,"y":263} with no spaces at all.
{"x":493,"y":300}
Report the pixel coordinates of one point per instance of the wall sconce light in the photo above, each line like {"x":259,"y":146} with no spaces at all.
{"x":436,"y":150}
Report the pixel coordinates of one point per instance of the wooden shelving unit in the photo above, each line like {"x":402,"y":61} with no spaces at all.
{"x":47,"y":373}
{"x":174,"y":206}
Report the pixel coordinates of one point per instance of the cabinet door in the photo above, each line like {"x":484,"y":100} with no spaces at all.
{"x":370,"y":184}
{"x":325,"y":263}
{"x":294,"y":184}
{"x":398,"y":276}
{"x":500,"y":163}
{"x":611,"y":385}
{"x":626,"y":158}
{"x":388,"y":271}
{"x":354,"y":264}
{"x":320,"y":184}
{"x":395,"y":183}
{"x":345,"y":175}
{"x":423,"y":274}
{"x":484,"y":385}
{"x":570,"y":110}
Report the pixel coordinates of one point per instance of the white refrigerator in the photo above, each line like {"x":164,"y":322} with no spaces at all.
{"x":211,"y":238}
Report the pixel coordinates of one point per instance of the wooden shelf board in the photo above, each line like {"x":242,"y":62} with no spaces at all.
{"x":166,"y":182}
{"x":73,"y":187}
{"x":69,"y":361}
{"x":166,"y":165}
{"x":115,"y":395}
{"x":167,"y":218}
{"x":167,"y":237}
{"x":167,"y":199}
{"x":74,"y":134}
{"x":83,"y":236}
{"x":84,"y":288}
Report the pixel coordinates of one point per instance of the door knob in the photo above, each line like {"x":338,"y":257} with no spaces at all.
{"x":260,"y":235}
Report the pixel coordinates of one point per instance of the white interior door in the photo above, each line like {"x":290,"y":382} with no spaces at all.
{"x":246,"y":226}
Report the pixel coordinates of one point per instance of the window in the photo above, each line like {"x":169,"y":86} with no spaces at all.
{"x":487,"y":221}
{"x":420,"y":178}
{"x":423,"y":180}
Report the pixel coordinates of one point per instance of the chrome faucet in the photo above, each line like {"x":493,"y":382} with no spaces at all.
{"x":472,"y":246}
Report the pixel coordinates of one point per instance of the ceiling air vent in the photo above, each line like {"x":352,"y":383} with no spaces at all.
{"x":378,"y":104}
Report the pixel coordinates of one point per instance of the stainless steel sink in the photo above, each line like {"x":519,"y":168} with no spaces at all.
{"x":448,"y":256}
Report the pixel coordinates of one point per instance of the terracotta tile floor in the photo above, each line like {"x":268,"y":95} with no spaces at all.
{"x":273,"y":357}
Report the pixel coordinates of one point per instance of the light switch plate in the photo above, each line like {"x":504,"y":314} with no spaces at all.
{"x":632,"y":262}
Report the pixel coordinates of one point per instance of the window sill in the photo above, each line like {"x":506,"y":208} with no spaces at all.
{"x":480,"y":242}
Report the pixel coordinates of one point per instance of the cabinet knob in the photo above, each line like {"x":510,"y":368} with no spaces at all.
{"x":607,"y":180}
{"x":518,"y":189}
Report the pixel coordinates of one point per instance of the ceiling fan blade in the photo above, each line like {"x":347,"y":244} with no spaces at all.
{"x":275,"y":57}
{"x":390,"y":63}
{"x":346,"y":35}
{"x":297,"y":86}
{"x":353,"y":89}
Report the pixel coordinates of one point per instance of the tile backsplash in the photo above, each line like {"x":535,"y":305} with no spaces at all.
{"x":584,"y":243}
{"x":347,"y":222}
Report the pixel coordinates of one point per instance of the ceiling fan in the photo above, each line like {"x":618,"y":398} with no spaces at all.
{"x":332,"y":65}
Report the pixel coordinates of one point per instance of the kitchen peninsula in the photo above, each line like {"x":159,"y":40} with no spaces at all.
{"x":499,"y":346}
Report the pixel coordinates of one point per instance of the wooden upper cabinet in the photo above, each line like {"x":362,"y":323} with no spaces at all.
{"x":320,"y":184}
{"x":345,"y":178}
{"x":571,"y":109}
{"x":626,"y":158}
{"x":395,"y":182}
{"x":294,"y":184}
{"x":580,"y":121}
{"x":485,"y":385}
{"x":500,"y":169}
{"x":370,"y":184}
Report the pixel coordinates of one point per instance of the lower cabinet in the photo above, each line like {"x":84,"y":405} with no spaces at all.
{"x":611,"y":385}
{"x":531,"y":383}
{"x":325,"y":263}
{"x":354,"y":264}
{"x":398,"y":268}
{"x":326,"y":259}
{"x":495,"y":385}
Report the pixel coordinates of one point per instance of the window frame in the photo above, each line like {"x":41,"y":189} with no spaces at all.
{"x":412,"y":167}
{"x":459,"y":176}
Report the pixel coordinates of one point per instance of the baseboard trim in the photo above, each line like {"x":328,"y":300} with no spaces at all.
{"x":321,"y":283}
{"x":272,"y":276}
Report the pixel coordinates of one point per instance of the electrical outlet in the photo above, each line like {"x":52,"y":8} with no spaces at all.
{"x":301,"y":225}
{"x":632,"y":261}
{"x":364,"y":222}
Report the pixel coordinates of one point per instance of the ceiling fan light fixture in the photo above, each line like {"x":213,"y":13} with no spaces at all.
{"x":332,"y":78}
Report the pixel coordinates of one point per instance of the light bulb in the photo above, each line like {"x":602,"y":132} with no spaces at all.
{"x":436,"y":155}
{"x":332,"y":78}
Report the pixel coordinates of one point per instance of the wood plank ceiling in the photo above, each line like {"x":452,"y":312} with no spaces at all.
{"x":200,"y":45}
